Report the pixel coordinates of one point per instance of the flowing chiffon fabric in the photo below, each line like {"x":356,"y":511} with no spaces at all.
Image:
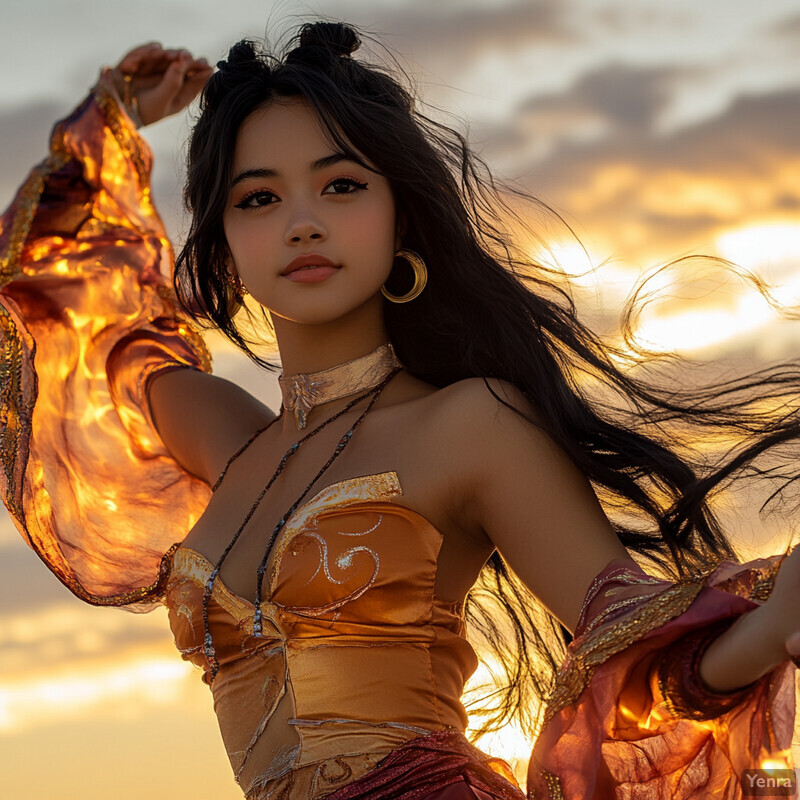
{"x":87,"y":317}
{"x":630,"y":717}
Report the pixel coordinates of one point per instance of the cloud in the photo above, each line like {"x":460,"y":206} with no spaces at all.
{"x":27,"y":584}
{"x":615,"y":100}
{"x":787,"y":29}
{"x":664,"y":191}
{"x":623,"y":96}
{"x":627,"y":18}
{"x":448,"y":33}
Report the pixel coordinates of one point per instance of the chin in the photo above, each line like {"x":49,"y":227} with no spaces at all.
{"x":325,"y":308}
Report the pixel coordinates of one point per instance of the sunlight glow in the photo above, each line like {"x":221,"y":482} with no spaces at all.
{"x":772,"y":249}
{"x":696,"y":329}
{"x":510,"y":744}
{"x":758,"y":245}
{"x":783,"y":761}
{"x":120,"y":690}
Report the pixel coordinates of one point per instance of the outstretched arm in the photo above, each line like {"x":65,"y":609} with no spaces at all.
{"x":542,"y":515}
{"x":628,"y":711}
{"x":760,"y":640}
{"x":534,"y":504}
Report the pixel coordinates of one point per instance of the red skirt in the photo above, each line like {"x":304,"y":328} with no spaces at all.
{"x":439,"y":766}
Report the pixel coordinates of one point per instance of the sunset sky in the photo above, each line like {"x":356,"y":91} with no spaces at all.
{"x":656,"y":130}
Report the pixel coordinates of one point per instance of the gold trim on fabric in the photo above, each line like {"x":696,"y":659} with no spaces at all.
{"x":154,"y":592}
{"x":196,"y":567}
{"x":15,"y":424}
{"x":121,"y":125}
{"x":26,"y":205}
{"x":356,"y":490}
{"x":594,"y":649}
{"x":555,"y":791}
{"x":762,"y":588}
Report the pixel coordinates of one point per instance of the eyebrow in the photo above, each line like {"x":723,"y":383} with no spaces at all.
{"x":318,"y":164}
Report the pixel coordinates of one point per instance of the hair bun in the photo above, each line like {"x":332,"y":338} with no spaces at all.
{"x":338,"y":38}
{"x":241,"y":57}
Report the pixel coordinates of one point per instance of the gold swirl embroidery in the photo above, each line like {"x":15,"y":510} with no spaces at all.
{"x":349,"y":491}
{"x":331,"y":774}
{"x":344,"y":561}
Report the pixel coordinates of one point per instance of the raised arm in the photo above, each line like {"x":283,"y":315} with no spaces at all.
{"x":88,"y":319}
{"x":201,"y":419}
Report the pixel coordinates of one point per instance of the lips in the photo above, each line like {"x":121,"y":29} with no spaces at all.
{"x":309,"y":260}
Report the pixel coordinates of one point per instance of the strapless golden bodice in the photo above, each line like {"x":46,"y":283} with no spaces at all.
{"x":357,"y":654}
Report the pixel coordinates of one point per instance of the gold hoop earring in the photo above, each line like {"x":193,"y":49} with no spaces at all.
{"x":420,"y":277}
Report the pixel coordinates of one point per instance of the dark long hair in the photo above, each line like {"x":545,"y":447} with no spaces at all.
{"x":488,"y":311}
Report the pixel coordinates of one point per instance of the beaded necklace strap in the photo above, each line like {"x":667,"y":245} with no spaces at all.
{"x":208,"y":643}
{"x":343,"y":442}
{"x":243,"y":448}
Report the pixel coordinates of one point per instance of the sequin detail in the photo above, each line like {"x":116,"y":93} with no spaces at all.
{"x":603,"y":642}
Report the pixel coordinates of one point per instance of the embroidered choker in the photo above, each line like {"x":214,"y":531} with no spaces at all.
{"x":305,"y":390}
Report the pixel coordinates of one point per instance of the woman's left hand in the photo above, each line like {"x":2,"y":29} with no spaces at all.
{"x":783,"y":605}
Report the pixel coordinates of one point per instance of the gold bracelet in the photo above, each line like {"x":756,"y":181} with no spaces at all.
{"x":130,"y":100}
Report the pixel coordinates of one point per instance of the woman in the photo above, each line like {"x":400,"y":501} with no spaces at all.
{"x":316,"y":563}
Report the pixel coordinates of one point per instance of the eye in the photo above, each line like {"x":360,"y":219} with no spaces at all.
{"x":345,"y":186}
{"x":256,"y":199}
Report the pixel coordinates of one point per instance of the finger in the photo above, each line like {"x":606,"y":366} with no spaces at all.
{"x":199,"y":65}
{"x":192,"y":87}
{"x":132,"y":59}
{"x":199,"y":74}
{"x":155,"y":62}
{"x":162,"y":61}
{"x":173,"y":80}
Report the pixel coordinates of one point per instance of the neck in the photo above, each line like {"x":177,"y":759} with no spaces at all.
{"x":302,"y":393}
{"x":310,"y":348}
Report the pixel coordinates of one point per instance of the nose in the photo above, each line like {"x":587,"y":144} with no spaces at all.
{"x":304,"y":226}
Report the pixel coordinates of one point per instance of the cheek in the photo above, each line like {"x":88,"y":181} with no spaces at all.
{"x":378,"y":228}
{"x":244,"y":238}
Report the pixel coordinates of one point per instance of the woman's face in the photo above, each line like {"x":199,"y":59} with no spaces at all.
{"x":294,"y":196}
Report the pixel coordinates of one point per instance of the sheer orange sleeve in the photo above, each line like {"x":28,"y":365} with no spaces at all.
{"x":630,"y":717}
{"x":87,"y":316}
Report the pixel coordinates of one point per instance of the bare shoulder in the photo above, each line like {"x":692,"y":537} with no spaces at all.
{"x":475,"y":428}
{"x":524,"y":491}
{"x":480,"y":405}
{"x":202,"y":419}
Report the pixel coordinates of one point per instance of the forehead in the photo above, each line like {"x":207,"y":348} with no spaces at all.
{"x":286,"y":131}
